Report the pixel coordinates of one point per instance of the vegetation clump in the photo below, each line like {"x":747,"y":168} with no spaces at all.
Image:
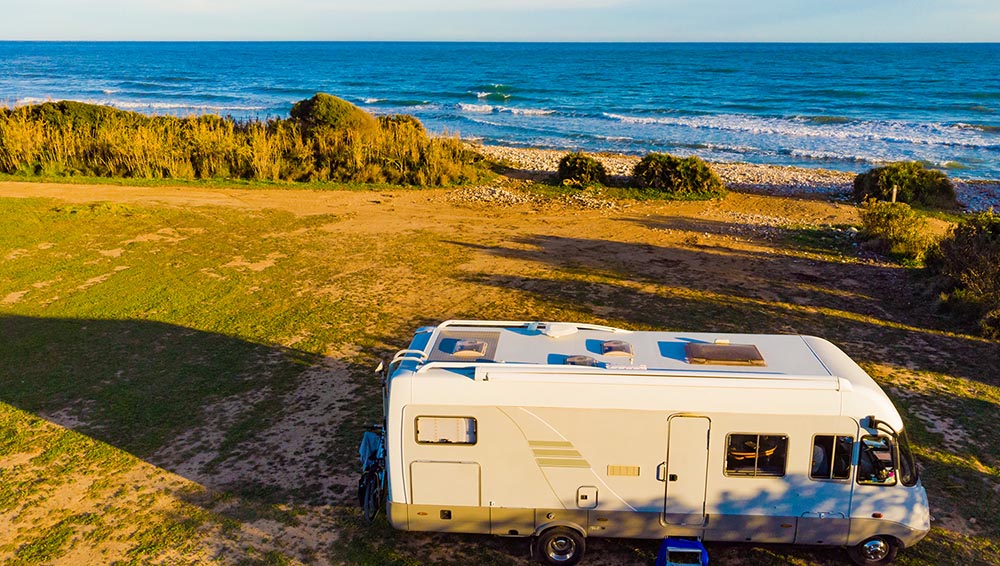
{"x":894,"y":229}
{"x":969,"y":258}
{"x":678,"y":177}
{"x":913,"y":183}
{"x":581,"y":170}
{"x":327,"y":111}
{"x":325,"y":139}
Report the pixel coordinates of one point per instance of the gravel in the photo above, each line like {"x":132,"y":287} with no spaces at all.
{"x":742,"y":177}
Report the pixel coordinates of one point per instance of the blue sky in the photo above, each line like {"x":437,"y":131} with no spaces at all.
{"x":504,"y":20}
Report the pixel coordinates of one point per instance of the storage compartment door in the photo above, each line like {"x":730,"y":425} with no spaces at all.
{"x":445,"y":483}
{"x":686,"y":471}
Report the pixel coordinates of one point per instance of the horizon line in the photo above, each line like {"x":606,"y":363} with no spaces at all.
{"x":511,"y":41}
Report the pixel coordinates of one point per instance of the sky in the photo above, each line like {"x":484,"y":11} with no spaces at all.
{"x":504,"y":20}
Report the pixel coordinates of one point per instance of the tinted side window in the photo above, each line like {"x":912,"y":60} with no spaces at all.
{"x":831,"y":457}
{"x":756,"y":455}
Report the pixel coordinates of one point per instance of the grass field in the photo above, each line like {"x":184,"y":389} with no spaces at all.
{"x":184,"y":375}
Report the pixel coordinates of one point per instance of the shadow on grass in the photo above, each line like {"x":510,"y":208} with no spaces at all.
{"x":170,"y":395}
{"x":866,"y":308}
{"x":132,"y":384}
{"x":269,"y":424}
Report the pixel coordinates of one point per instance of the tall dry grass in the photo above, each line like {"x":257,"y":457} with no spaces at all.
{"x":65,"y":139}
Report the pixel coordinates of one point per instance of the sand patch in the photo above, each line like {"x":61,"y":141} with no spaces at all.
{"x":13,"y":298}
{"x":117,"y":252}
{"x":100,"y":278}
{"x":240,"y":263}
{"x":168,"y":235}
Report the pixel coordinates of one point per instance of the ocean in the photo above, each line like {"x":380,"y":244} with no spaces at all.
{"x":835,"y":106}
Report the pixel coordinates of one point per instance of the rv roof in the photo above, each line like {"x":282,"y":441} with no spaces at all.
{"x":561,"y":346}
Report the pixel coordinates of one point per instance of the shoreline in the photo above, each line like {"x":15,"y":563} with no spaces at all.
{"x":779,"y":180}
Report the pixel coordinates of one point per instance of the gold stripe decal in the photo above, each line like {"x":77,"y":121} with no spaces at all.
{"x":556,"y":454}
{"x":562,"y":463}
{"x":550,"y":443}
{"x":560,"y":453}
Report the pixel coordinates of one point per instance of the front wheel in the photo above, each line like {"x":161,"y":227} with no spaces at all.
{"x":875,"y":551}
{"x":560,"y":546}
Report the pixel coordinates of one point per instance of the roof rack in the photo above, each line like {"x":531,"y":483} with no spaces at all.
{"x":533,"y":325}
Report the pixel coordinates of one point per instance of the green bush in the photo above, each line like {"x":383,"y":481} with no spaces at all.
{"x":581,"y":170}
{"x":970,"y":258}
{"x":914,"y":184}
{"x":894,"y":229}
{"x":686,"y":178}
{"x":324,"y":110}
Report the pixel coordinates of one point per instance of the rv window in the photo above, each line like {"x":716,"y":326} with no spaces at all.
{"x":907,"y":465}
{"x":876,"y":461}
{"x":831,"y":457}
{"x":446,"y":430}
{"x":756,"y":455}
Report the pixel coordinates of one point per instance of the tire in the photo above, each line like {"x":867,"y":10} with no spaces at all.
{"x":372,"y":497}
{"x":875,"y":551}
{"x":362,"y":486}
{"x":560,"y":546}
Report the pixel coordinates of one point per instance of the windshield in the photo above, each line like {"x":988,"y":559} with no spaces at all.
{"x":907,"y":465}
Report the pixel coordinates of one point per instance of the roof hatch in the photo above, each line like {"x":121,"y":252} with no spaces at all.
{"x":470,"y":349}
{"x":580,"y":361}
{"x":616,"y":348}
{"x":723,"y":353}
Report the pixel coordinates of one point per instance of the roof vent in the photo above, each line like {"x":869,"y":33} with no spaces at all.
{"x":616,"y":348}
{"x":580,"y":361}
{"x":558,"y":329}
{"x":723,"y":353}
{"x":469,"y":349}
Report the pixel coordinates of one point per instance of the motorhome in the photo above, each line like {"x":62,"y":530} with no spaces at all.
{"x":562,"y":431}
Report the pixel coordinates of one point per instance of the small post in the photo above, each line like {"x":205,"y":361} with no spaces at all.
{"x":894,"y":189}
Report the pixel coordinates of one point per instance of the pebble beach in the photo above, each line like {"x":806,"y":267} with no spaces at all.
{"x":742,"y":177}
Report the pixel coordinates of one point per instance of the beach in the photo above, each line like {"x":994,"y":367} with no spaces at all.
{"x":754,"y":178}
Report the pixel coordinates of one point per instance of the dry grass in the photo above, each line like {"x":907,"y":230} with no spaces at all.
{"x":185,"y":374}
{"x":73,"y":139}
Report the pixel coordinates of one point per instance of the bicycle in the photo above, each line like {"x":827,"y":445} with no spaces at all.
{"x":371,"y":485}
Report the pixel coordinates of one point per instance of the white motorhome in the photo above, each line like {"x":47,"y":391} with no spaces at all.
{"x":564,"y":431}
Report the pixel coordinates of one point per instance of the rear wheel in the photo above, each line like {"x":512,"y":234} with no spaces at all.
{"x":371,"y":496}
{"x":560,"y":546}
{"x":875,"y":551}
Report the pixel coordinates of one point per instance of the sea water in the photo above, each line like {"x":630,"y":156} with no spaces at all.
{"x":835,"y":106}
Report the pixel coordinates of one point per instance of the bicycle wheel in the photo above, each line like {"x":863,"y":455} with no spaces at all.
{"x":372,"y":497}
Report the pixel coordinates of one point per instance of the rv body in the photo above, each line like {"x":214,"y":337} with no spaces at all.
{"x":516,"y":428}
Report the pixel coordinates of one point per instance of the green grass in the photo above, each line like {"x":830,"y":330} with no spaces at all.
{"x":133,"y":325}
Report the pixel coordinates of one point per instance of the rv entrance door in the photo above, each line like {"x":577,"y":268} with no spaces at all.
{"x":686,"y":470}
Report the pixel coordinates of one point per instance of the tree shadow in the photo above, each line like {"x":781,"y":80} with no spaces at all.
{"x":866,"y":308}
{"x":259,"y":429}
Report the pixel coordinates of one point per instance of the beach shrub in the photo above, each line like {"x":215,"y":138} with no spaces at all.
{"x":578,"y":169}
{"x":969,"y":257}
{"x":914,"y":184}
{"x":325,"y":110}
{"x":325,"y":139}
{"x":679,"y":177}
{"x":894,"y":229}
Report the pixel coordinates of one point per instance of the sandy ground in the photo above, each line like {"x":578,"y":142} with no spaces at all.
{"x":717,"y":248}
